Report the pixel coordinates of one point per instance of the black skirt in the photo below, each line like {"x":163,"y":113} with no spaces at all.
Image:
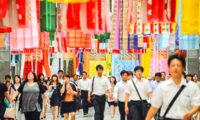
{"x":68,"y":107}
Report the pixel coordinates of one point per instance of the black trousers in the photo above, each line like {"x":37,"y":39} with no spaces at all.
{"x":135,"y":111}
{"x":122,"y":110}
{"x":32,"y":115}
{"x":2,"y":110}
{"x":99,"y":106}
{"x":85,"y":104}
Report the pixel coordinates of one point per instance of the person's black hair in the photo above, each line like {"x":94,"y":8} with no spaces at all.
{"x":189,"y":75}
{"x":99,"y":67}
{"x":158,"y":75}
{"x":194,"y":75}
{"x":139,"y":68}
{"x":7,"y":76}
{"x":115,"y":82}
{"x":178,"y":57}
{"x":75,"y":75}
{"x":34,"y":75}
{"x":17,"y":77}
{"x":84,"y":72}
{"x":39,"y":76}
{"x":60,"y":71}
{"x":123,"y":72}
{"x":184,"y":75}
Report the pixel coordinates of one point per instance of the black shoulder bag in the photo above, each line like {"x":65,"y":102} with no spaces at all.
{"x":145,"y":106}
{"x":172,"y":102}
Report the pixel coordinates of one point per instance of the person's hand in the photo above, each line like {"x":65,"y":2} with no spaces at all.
{"x":126,"y":110}
{"x":115,"y":100}
{"x":89,"y":99}
{"x":187,"y":116}
{"x":110,"y":96}
{"x":48,"y":101}
{"x":13,"y":99}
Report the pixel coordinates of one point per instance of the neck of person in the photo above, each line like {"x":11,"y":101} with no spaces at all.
{"x":16,"y":83}
{"x":112,"y":84}
{"x":54,"y":82}
{"x":177,"y":80}
{"x":42,"y":80}
{"x":124,"y":80}
{"x":99,"y":75}
{"x":138,"y":78}
{"x":30,"y":81}
{"x":84,"y":78}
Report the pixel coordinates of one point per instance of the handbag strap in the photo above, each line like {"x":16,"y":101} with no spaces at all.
{"x":173,"y":100}
{"x":92,"y":84}
{"x":137,"y":91}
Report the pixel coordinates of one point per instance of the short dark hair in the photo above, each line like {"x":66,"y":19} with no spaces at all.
{"x":158,"y":75}
{"x":60,"y":71}
{"x":99,"y":67}
{"x":139,"y":68}
{"x":75,"y":75}
{"x":189,"y":75}
{"x":7,"y":76}
{"x":178,"y":57}
{"x":130,"y":73}
{"x":34,"y":75}
{"x":123,"y":72}
{"x":84,"y":72}
{"x":17,"y":77}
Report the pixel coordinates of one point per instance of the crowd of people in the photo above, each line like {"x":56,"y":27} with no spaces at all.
{"x":172,"y":97}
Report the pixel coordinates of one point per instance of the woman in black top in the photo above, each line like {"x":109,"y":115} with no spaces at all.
{"x":44,"y":83}
{"x":31,"y":97}
{"x":56,"y":96}
{"x":3,"y":93}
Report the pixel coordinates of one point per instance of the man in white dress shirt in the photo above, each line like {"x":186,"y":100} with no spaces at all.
{"x":119,"y":93}
{"x":60,"y":76}
{"x":133,"y":107}
{"x":83,"y":86}
{"x":97,"y":89}
{"x":188,"y":101}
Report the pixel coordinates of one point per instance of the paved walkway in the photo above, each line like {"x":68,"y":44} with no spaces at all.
{"x":79,"y":115}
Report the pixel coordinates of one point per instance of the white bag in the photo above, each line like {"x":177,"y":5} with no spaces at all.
{"x":10,"y":113}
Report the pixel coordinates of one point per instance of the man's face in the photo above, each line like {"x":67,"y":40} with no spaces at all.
{"x":176,"y":68}
{"x":7,"y":79}
{"x":130,"y":77}
{"x":84,"y":76}
{"x":138,"y":74}
{"x":75,"y":77}
{"x":163,"y":76}
{"x":99,"y":72}
{"x":189,"y":78}
{"x":158,"y":78}
{"x":124,"y":77}
{"x":60,"y":74}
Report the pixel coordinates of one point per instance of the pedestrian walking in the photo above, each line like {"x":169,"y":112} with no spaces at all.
{"x":130,"y":75}
{"x":156,"y":82}
{"x":31,"y":97}
{"x":68,"y":92}
{"x":14,"y":88}
{"x":3,"y":94}
{"x":137,"y":93}
{"x":83,"y":85}
{"x":98,"y":87}
{"x":119,"y":93}
{"x":41,"y":79}
{"x":60,"y":76}
{"x":179,"y":99}
{"x":55,"y":87}
{"x":111,"y":102}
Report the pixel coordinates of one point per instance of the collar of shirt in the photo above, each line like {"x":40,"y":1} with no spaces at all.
{"x":136,"y":80}
{"x":96,"y":76}
{"x":183,"y":82}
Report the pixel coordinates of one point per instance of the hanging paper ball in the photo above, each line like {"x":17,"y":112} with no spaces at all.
{"x":183,"y":53}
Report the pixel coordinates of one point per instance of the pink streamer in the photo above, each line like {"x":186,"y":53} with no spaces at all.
{"x":116,"y":39}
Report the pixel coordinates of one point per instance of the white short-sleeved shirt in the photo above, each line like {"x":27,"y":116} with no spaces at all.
{"x":165,"y":92}
{"x":143,"y":87}
{"x":83,"y":84}
{"x":101,"y":84}
{"x":119,"y":91}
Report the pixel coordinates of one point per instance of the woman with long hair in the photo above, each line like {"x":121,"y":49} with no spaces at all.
{"x":41,"y":79}
{"x":111,"y":103}
{"x":13,"y":89}
{"x":31,"y":97}
{"x":68,"y":92}
{"x":55,"y":87}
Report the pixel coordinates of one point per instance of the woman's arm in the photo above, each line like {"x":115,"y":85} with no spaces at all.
{"x":15,"y":95}
{"x":62,"y":90}
{"x":8,"y":96}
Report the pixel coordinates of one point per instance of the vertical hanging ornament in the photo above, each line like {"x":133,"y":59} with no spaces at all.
{"x":139,"y":18}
